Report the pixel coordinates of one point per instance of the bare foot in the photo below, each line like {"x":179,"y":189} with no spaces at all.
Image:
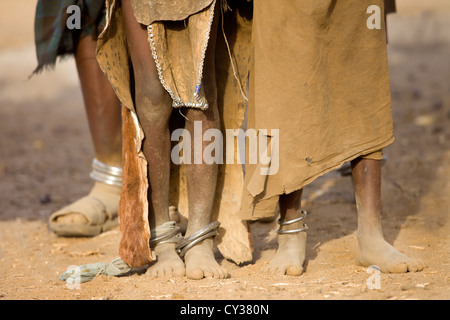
{"x":201,"y":263}
{"x":376,"y":251}
{"x":168,"y":263}
{"x":290,"y":256}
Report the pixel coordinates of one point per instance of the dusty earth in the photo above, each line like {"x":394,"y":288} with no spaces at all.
{"x":46,"y":152}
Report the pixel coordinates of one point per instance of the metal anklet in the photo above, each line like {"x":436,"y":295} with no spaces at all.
{"x":105,"y":173}
{"x":207,"y":232}
{"x":285,"y":223}
{"x":161,"y":236}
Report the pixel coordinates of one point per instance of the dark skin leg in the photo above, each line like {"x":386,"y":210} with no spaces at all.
{"x":154,"y":107}
{"x":103,"y":112}
{"x":290,"y":255}
{"x":373,"y":249}
{"x":102,"y":105}
{"x":202,"y":178}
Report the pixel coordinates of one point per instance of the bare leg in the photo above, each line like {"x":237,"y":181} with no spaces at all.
{"x":103,"y":111}
{"x":202,"y":178}
{"x":154,"y":107}
{"x":201,"y":183}
{"x":291,"y":251}
{"x":102,"y":105}
{"x":373,"y":249}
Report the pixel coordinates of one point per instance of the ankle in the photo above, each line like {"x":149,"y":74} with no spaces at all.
{"x":294,"y":225}
{"x":100,"y":187}
{"x":369,"y":235}
{"x":106,"y":174}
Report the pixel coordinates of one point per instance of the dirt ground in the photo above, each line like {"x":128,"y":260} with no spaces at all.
{"x":46,"y":153}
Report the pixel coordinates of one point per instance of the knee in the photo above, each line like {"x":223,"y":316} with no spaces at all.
{"x":153,"y":103}
{"x":149,"y":91}
{"x":209,"y":117}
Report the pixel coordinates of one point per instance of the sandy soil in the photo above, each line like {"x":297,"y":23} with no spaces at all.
{"x":46,"y":151}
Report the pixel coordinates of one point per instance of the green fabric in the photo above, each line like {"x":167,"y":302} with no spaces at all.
{"x":88,"y":272}
{"x":52,"y":37}
{"x":117,"y":267}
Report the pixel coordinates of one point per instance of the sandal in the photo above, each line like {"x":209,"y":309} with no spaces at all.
{"x":99,"y":207}
{"x":99,"y":217}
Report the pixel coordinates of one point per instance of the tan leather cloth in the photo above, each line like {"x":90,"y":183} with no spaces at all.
{"x":149,"y":11}
{"x":180,"y":79}
{"x":376,"y":155}
{"x":320,"y":76}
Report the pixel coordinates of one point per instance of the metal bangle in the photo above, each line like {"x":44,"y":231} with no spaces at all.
{"x":101,"y":177}
{"x":189,"y":245}
{"x":106,"y":168}
{"x":305,"y":227}
{"x":285,"y":223}
{"x":207,"y":232}
{"x":105,"y":173}
{"x":168,"y":237}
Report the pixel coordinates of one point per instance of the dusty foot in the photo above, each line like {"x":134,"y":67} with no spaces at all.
{"x":201,"y":263}
{"x":290,"y":256}
{"x":108,"y":195}
{"x":167,"y":264}
{"x":376,"y":251}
